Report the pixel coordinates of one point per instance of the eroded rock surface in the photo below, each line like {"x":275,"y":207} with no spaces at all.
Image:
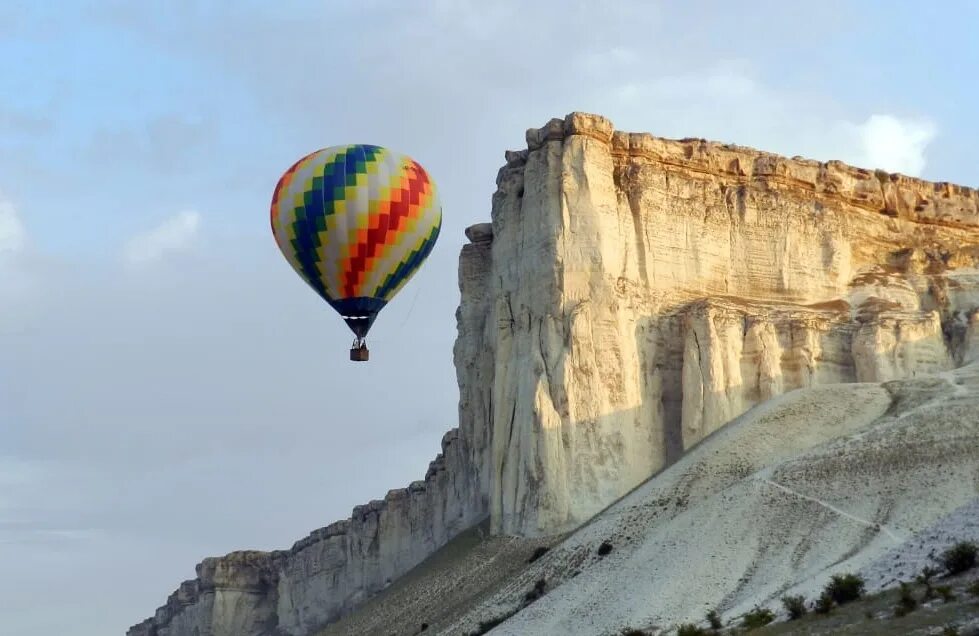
{"x":647,"y":291}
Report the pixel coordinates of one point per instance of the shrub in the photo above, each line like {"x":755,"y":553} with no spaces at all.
{"x":973,"y":589}
{"x":844,"y":588}
{"x":537,"y":592}
{"x":538,"y":553}
{"x":795,"y":606}
{"x":605,"y":548}
{"x":950,"y":630}
{"x":945,"y":592}
{"x":906,"y":603}
{"x":926,"y":575}
{"x":688,"y":629}
{"x":715,"y":620}
{"x":824,"y":604}
{"x":487,"y":625}
{"x":758,"y":617}
{"x":631,"y":631}
{"x":961,"y":557}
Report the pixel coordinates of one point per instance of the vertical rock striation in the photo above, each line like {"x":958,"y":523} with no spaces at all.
{"x":646,"y":291}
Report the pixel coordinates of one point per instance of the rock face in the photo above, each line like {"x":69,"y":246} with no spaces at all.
{"x":629,"y":297}
{"x":832,"y":479}
{"x":334,"y":569}
{"x":645,"y":291}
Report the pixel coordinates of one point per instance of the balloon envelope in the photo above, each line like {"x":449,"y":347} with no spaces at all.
{"x":356,"y":222}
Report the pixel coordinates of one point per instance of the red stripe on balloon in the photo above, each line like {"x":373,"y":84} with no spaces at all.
{"x":400,"y":210}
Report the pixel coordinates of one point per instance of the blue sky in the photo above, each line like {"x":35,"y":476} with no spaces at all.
{"x":169,"y":388}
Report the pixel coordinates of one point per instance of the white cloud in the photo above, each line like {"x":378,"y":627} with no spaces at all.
{"x":13,"y":236}
{"x":727,"y":102}
{"x":894,"y":144}
{"x":175,"y":234}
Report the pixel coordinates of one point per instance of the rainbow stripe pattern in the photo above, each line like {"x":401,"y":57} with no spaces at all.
{"x":356,"y":222}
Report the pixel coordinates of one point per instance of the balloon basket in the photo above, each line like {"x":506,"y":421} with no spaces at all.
{"x":359,"y":354}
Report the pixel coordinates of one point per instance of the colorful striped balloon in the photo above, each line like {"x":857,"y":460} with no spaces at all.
{"x":356,"y":222}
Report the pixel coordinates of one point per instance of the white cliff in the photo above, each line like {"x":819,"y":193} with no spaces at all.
{"x":647,"y":291}
{"x":630,"y":296}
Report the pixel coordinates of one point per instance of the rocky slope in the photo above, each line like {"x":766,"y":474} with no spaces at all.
{"x":869,"y":478}
{"x":630,"y":296}
{"x":815,"y":482}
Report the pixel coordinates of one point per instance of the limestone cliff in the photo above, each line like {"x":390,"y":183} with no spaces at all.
{"x":630,"y":296}
{"x":646,"y":291}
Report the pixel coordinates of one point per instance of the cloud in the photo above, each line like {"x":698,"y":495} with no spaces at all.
{"x":894,"y":144}
{"x":13,"y":236}
{"x":728,"y":102}
{"x":175,"y":234}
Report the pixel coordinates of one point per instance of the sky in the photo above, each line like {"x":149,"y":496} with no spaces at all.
{"x":171,"y":390}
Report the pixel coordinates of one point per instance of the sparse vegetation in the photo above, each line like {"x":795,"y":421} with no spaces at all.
{"x":605,"y":548}
{"x":824,"y":604}
{"x":631,"y":631}
{"x":538,"y":553}
{"x":927,"y":574}
{"x":945,"y":592}
{"x":487,"y":625}
{"x":906,"y":603}
{"x":844,"y":588}
{"x":950,"y":630}
{"x":714,"y":619}
{"x":795,"y":606}
{"x":536,"y":592}
{"x":973,"y":589}
{"x":689,"y":629}
{"x":758,"y":617}
{"x":960,"y":558}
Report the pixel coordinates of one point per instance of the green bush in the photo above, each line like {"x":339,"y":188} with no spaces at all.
{"x":538,"y":553}
{"x":689,"y":629}
{"x":715,"y":620}
{"x":795,"y":606}
{"x":927,"y":574}
{"x":537,"y":592}
{"x":844,"y":588}
{"x":758,"y":617}
{"x":946,"y":593}
{"x":487,"y":625}
{"x":824,"y":604}
{"x":960,"y":558}
{"x":973,"y":589}
{"x":906,"y":603}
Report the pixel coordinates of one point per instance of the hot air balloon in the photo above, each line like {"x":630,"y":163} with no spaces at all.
{"x":356,"y":222}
